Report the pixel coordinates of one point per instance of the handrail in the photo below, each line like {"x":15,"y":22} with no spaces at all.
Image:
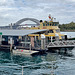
{"x":61,"y":43}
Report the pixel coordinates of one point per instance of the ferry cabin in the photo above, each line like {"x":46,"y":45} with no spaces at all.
{"x":52,"y":30}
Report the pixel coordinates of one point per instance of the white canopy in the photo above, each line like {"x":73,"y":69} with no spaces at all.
{"x":20,"y":32}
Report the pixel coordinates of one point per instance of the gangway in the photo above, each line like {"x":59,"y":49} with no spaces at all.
{"x":61,"y":44}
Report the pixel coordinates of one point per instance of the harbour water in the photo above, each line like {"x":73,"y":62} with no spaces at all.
{"x":63,"y":64}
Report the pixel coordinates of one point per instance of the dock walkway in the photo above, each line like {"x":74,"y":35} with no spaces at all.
{"x":60,"y":44}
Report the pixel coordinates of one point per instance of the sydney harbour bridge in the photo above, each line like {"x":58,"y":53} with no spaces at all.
{"x":19,"y":25}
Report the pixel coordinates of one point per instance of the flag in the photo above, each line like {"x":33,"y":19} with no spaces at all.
{"x":49,"y":16}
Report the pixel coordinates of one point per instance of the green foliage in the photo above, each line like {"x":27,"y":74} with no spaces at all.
{"x":67,"y":27}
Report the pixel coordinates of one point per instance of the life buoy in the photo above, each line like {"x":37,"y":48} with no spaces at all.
{"x":21,"y":50}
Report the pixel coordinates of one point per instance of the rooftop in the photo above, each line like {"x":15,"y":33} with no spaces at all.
{"x":20,"y":32}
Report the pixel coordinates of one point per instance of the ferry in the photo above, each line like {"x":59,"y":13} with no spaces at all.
{"x":52,"y":29}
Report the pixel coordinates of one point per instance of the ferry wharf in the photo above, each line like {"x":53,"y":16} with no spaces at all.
{"x":31,"y":43}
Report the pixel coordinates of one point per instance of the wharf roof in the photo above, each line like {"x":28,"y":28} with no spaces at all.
{"x":20,"y":32}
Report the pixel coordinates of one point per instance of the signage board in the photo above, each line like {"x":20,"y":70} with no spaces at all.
{"x":0,"y":33}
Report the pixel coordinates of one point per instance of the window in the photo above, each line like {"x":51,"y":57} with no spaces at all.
{"x":50,"y":31}
{"x":43,"y":24}
{"x":57,"y":30}
{"x":46,"y":24}
{"x":55,"y":24}
{"x":50,"y":24}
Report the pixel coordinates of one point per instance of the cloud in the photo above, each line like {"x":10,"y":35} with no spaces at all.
{"x":6,"y":2}
{"x":71,"y":0}
{"x":14,"y":10}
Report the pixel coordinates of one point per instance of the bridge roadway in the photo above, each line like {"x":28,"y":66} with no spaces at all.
{"x":61,"y":44}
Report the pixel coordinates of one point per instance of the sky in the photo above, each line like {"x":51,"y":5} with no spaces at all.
{"x":13,"y":10}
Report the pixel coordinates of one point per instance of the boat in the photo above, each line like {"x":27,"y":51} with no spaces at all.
{"x":24,"y":52}
{"x":52,"y":29}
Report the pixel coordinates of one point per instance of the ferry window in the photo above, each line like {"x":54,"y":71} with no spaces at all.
{"x":57,"y":30}
{"x":50,"y":24}
{"x":46,"y":24}
{"x":53,"y":24}
{"x":50,"y":31}
{"x":43,"y":24}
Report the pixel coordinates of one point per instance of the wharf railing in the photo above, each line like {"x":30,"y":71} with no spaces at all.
{"x":67,"y":43}
{"x":53,"y":71}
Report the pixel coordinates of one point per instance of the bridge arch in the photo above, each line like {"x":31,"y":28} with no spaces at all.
{"x":25,"y":19}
